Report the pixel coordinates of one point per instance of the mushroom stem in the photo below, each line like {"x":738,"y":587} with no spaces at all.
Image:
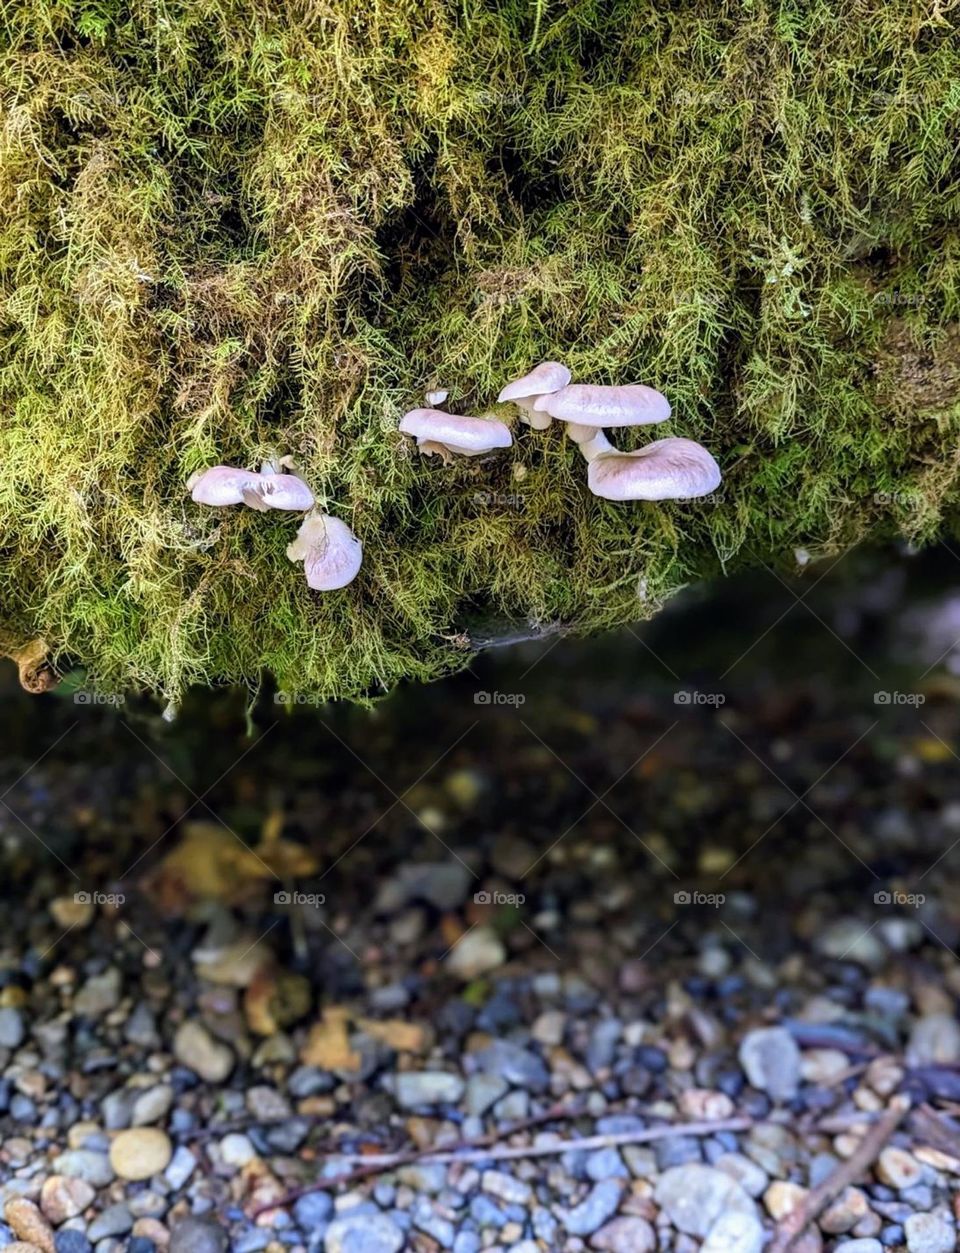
{"x":591,"y":441}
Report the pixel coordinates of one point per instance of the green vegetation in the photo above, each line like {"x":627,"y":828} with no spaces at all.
{"x":236,"y":228}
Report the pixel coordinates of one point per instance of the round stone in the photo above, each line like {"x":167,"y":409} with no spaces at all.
{"x":140,"y":1153}
{"x":197,"y":1235}
{"x":196,"y":1049}
{"x":62,"y":1198}
{"x":362,"y":1233}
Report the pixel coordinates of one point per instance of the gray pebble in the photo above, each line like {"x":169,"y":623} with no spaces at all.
{"x":197,"y":1235}
{"x":592,"y":1212}
{"x":734,"y":1233}
{"x":605,"y":1164}
{"x":426,"y":1219}
{"x":141,"y":1028}
{"x":12,"y":1029}
{"x":517,"y":1065}
{"x":467,"y":1242}
{"x":626,"y":1235}
{"x":313,"y":1210}
{"x":483,"y":1091}
{"x":934,"y":1041}
{"x":114,"y":1221}
{"x":181,"y":1167}
{"x":771,"y":1061}
{"x":363,"y":1233}
{"x":85,"y":1164}
{"x":506,"y":1188}
{"x":695,"y":1196}
{"x":930,"y":1233}
{"x":68,"y":1241}
{"x":152,"y":1105}
{"x":427,"y":1087}
{"x":99,"y":994}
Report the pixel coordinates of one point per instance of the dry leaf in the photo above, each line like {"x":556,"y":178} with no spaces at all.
{"x":328,"y":1044}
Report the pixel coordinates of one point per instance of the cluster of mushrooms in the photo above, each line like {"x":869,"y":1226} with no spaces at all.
{"x":667,"y":469}
{"x":330,"y":552}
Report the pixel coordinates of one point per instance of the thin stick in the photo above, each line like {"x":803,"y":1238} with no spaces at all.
{"x":474,"y":1151}
{"x":789,"y":1229}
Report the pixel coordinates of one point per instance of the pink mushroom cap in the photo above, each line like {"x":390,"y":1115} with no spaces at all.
{"x":667,"y":469}
{"x":285,"y":491}
{"x":456,"y":432}
{"x":222,"y":485}
{"x":330,"y":552}
{"x":594,"y":405}
{"x":548,"y":376}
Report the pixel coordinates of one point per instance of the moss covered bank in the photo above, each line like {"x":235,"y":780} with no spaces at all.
{"x":232,"y":230}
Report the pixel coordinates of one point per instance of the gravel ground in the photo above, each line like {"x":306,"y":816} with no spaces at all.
{"x":670,"y":943}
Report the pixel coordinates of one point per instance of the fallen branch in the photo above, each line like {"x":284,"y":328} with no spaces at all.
{"x":790,"y":1228}
{"x":487,"y":1149}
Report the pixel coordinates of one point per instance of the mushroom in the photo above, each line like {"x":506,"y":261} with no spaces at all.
{"x":451,"y":433}
{"x":226,"y":485}
{"x":221,"y":485}
{"x":436,"y":398}
{"x":545,"y":379}
{"x":667,"y":469}
{"x":330,"y":552}
{"x":588,"y":408}
{"x":280,"y":491}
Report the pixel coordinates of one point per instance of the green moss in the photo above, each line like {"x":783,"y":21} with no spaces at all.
{"x":227,"y":230}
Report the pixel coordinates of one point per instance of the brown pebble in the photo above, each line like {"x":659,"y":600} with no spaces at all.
{"x":26,"y":1222}
{"x":152,"y":1229}
{"x":62,"y":1198}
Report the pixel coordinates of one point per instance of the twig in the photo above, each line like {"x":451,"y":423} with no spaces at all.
{"x":789,"y":1229}
{"x":485,"y":1149}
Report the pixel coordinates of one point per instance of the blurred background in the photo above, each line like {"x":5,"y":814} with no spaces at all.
{"x":624,"y":858}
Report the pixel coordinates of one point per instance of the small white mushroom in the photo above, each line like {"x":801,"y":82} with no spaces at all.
{"x":667,"y":469}
{"x":587,"y":408}
{"x":546,"y":378}
{"x":221,"y":485}
{"x":452,"y":433}
{"x":226,"y":485}
{"x":283,"y":491}
{"x":436,"y":398}
{"x":330,"y":552}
